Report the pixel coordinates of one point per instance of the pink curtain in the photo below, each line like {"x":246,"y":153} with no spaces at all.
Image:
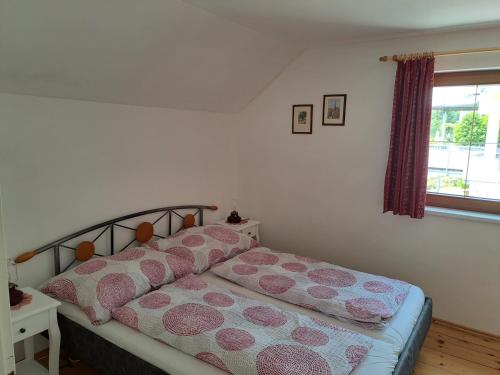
{"x":406,"y":174}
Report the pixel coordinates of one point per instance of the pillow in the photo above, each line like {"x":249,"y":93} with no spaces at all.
{"x":205,"y":246}
{"x":103,"y":283}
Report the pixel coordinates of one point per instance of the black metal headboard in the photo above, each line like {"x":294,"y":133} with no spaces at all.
{"x":188,"y":214}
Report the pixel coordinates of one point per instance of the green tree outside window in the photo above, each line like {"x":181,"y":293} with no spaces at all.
{"x":472,"y":129}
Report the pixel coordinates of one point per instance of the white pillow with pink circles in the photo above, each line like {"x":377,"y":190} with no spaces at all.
{"x":205,"y":246}
{"x":103,"y":283}
{"x":240,"y":335}
{"x":368,"y":299}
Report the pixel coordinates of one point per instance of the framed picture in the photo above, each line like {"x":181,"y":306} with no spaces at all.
{"x":302,"y":115}
{"x":334,"y":109}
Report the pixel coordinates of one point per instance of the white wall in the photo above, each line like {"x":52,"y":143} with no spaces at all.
{"x":68,"y":164}
{"x":322,"y":194}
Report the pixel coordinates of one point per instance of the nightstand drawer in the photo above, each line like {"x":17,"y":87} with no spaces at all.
{"x":252,"y":231}
{"x":30,"y":326}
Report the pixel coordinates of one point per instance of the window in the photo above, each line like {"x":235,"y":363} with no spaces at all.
{"x":464,"y":152}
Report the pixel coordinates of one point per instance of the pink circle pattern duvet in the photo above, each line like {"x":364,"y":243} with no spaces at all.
{"x":361,"y":298}
{"x":205,"y":246}
{"x":242,"y":335}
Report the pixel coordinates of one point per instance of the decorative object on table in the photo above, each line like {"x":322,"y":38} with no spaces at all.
{"x":334,"y":109}
{"x":302,"y":115}
{"x":15,"y":295}
{"x":25,"y":300}
{"x":234,"y":218}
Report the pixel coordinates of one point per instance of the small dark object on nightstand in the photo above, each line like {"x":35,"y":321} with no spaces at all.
{"x":15,"y":296}
{"x":234,"y":218}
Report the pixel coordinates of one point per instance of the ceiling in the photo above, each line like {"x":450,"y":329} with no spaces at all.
{"x":318,"y":21}
{"x":209,"y":55}
{"x":162,"y":53}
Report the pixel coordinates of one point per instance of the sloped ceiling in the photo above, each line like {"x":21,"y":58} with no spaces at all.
{"x":318,"y":21}
{"x":163,"y":53}
{"x":210,"y":55}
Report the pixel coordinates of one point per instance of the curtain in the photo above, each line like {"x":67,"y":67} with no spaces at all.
{"x":406,"y":174}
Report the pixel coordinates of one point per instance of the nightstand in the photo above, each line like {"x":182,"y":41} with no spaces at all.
{"x":250,"y":228}
{"x":31,"y":319}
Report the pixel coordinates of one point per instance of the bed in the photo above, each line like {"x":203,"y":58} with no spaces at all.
{"x":117,"y":349}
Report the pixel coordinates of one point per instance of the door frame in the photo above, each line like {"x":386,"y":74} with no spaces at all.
{"x":7,"y":359}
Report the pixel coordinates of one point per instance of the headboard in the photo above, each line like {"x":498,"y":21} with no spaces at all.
{"x":187,"y":216}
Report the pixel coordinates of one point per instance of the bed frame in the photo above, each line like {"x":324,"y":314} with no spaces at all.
{"x":187,"y":216}
{"x":80,"y":343}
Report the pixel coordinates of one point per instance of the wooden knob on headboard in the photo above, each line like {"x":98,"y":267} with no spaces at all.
{"x":84,"y":251}
{"x":188,"y":221}
{"x":213,"y":208}
{"x":25,"y":256}
{"x":144,"y":232}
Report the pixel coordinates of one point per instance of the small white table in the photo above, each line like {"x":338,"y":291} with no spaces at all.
{"x":250,"y":228}
{"x":31,"y":319}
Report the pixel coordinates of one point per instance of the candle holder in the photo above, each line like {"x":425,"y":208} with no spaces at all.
{"x":15,"y":295}
{"x":234,"y":218}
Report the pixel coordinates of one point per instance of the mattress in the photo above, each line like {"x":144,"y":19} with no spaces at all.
{"x":381,"y":359}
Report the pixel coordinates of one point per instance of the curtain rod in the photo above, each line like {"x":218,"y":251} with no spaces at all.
{"x":439,"y":53}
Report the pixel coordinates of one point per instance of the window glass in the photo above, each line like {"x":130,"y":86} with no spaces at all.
{"x":464,"y":152}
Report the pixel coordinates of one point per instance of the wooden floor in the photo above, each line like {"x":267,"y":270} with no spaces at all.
{"x":453,"y":350}
{"x":447,"y":350}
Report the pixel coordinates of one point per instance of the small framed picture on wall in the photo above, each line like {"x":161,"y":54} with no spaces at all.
{"x":334,"y":109}
{"x":302,"y":115}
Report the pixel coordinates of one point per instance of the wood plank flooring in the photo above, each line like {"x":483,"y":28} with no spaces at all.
{"x":448,"y":350}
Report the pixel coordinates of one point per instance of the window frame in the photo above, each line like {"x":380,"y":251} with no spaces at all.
{"x":465,"y":78}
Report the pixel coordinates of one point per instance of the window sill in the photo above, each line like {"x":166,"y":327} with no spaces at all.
{"x":464,"y":215}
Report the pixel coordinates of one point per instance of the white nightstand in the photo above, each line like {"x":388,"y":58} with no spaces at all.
{"x":250,"y":228}
{"x":36,"y":317}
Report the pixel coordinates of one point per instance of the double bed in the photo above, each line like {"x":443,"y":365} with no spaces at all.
{"x":115,"y":348}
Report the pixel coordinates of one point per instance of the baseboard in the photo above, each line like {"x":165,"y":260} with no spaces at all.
{"x":459,"y":327}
